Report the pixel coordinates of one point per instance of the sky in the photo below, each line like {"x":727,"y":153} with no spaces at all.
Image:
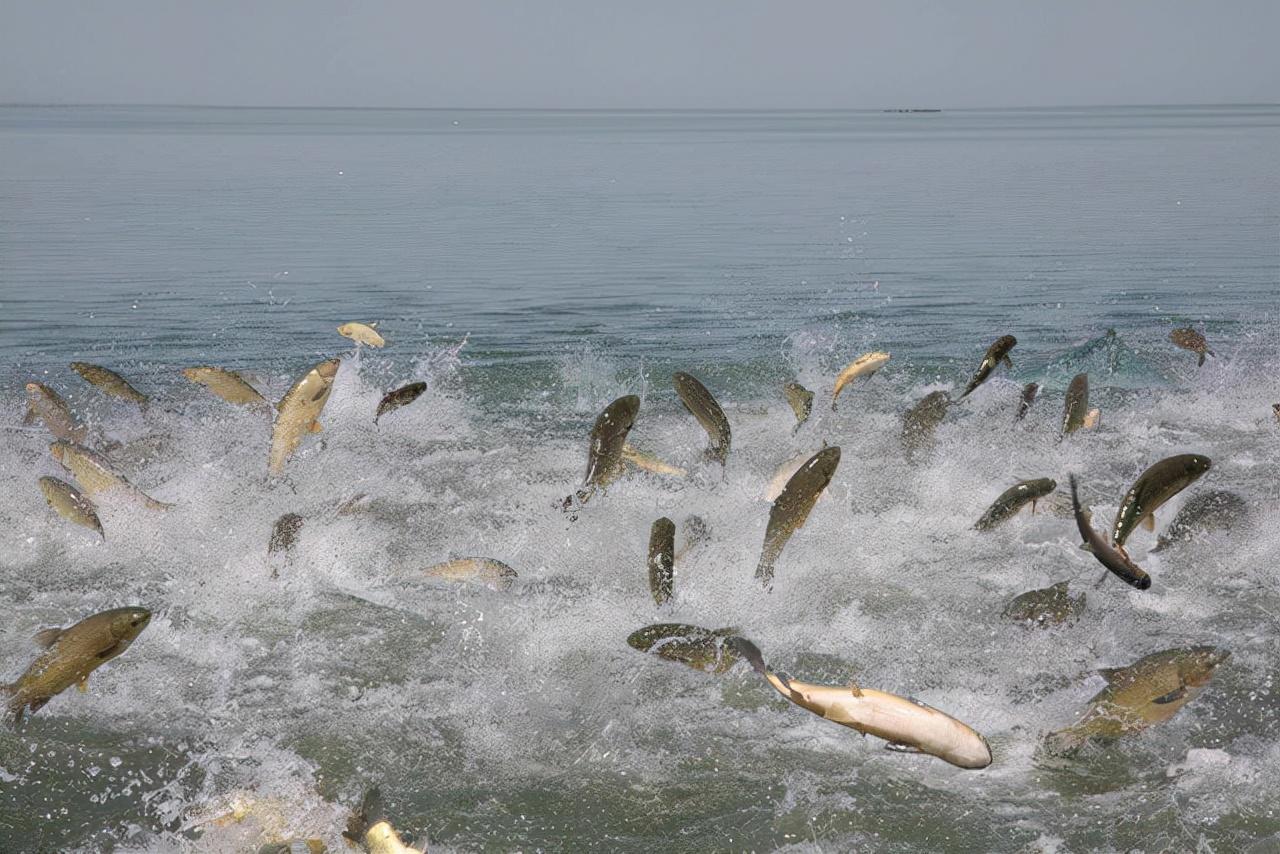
{"x":651,"y":54}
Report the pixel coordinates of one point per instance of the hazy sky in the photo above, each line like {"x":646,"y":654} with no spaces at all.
{"x":655,"y":53}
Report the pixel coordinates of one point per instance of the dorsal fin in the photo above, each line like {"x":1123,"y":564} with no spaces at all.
{"x":1112,"y":674}
{"x":46,"y":638}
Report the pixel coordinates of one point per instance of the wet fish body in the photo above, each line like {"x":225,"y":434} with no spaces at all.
{"x":1110,"y":556}
{"x":1204,"y":513}
{"x":703,"y":406}
{"x":1153,"y":488}
{"x":298,"y":410}
{"x":228,"y":385}
{"x":662,"y":547}
{"x":402,"y":396}
{"x":96,"y":476}
{"x":921,"y":420}
{"x":793,"y":506}
{"x":800,"y":399}
{"x":998,"y":352}
{"x":493,"y":574}
{"x":47,"y":405}
{"x":693,"y":646}
{"x":362,"y":333}
{"x":863,"y":366}
{"x":1049,"y":606}
{"x":369,"y":827}
{"x":109,"y":382}
{"x":1188,"y":339}
{"x":1075,"y":410}
{"x":1029,"y":392}
{"x":1014,"y":499}
{"x":605,"y":462}
{"x":71,"y":504}
{"x":648,"y":462}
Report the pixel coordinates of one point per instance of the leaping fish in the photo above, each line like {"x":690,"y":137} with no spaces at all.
{"x":604,"y":456}
{"x":110,"y":382}
{"x":793,"y":506}
{"x":703,"y":406}
{"x":95,"y":475}
{"x":998,"y":352}
{"x":47,"y":405}
{"x":228,"y":385}
{"x":298,"y":411}
{"x":71,"y":504}
{"x":800,"y":399}
{"x":863,"y":366}
{"x":363,"y":333}
{"x":1153,"y":488}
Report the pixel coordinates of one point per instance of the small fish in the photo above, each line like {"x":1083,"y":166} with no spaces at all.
{"x":1029,"y":392}
{"x":1153,"y":488}
{"x":1147,"y":692}
{"x":362,"y":333}
{"x":800,"y":400}
{"x":1112,"y":557}
{"x":1049,"y":606}
{"x":1075,"y":411}
{"x":662,"y":547}
{"x":110,"y":382}
{"x":298,"y":411}
{"x":998,"y":352}
{"x":284,"y":534}
{"x":1014,"y":499}
{"x":1275,"y":409}
{"x":699,"y":648}
{"x":369,"y":827}
{"x":793,"y":506}
{"x":70,"y":656}
{"x":650,"y":463}
{"x":47,"y":405}
{"x":1188,"y":339}
{"x":402,"y":396}
{"x":227,"y":385}
{"x":863,"y":366}
{"x":604,"y":456}
{"x":908,"y":725}
{"x":700,"y":403}
{"x":694,"y":532}
{"x":71,"y":504}
{"x":921,"y":420}
{"x":493,"y":574}
{"x":1209,"y":511}
{"x":95,"y":475}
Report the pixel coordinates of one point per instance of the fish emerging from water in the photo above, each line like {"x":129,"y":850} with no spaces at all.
{"x":1216,"y":510}
{"x":1188,"y":339}
{"x":95,"y":475}
{"x":703,"y":406}
{"x":70,"y":656}
{"x":1049,"y":606}
{"x":110,"y":382}
{"x":1075,"y":411}
{"x":491,"y":573}
{"x":1112,"y":557}
{"x":793,"y":506}
{"x":998,"y":352}
{"x":71,"y":504}
{"x":402,"y":396}
{"x":604,"y":456}
{"x":1014,"y":499}
{"x":1154,"y":487}
{"x":227,"y":385}
{"x":662,"y":548}
{"x":1029,"y":392}
{"x":47,"y":405}
{"x":298,"y":411}
{"x":1147,"y":692}
{"x":800,"y":399}
{"x":362,"y":333}
{"x":863,"y":366}
{"x":921,"y":420}
{"x":648,"y":462}
{"x":907,"y":724}
{"x":368,"y":827}
{"x":693,"y":646}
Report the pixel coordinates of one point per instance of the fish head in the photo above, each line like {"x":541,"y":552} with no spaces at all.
{"x":1195,"y":465}
{"x":1198,"y":663}
{"x":128,"y":623}
{"x":328,"y":369}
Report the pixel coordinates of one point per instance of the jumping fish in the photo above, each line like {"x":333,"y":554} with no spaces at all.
{"x":1188,"y":339}
{"x":493,"y":574}
{"x":71,"y":504}
{"x":363,"y":333}
{"x":648,"y":462}
{"x":908,"y":725}
{"x":402,"y":396}
{"x":1112,"y":557}
{"x":698,"y":400}
{"x":792,"y":508}
{"x":95,"y":476}
{"x":662,"y":547}
{"x":1029,"y":392}
{"x":1075,"y":411}
{"x":1147,"y":692}
{"x":863,"y":366}
{"x":70,"y":656}
{"x":604,"y":457}
{"x":694,"y":532}
{"x":800,"y":400}
{"x":998,"y":352}
{"x":47,"y":405}
{"x":110,"y":382}
{"x":369,"y":827}
{"x":1014,"y":499}
{"x":227,"y":385}
{"x":298,"y":410}
{"x":1153,"y":488}
{"x":1050,"y":606}
{"x":1209,"y":511}
{"x":693,"y":646}
{"x":921,"y":420}
{"x":783,"y":473}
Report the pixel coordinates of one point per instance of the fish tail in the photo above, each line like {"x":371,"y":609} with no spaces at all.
{"x":764,"y":570}
{"x":1201,"y":360}
{"x":750,"y":652}
{"x":369,"y":814}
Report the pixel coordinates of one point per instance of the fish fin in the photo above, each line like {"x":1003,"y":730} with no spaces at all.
{"x":1085,"y":547}
{"x":750,"y":652}
{"x":83,"y":685}
{"x":369,"y":813}
{"x":1149,"y":522}
{"x":1111,"y":674}
{"x":1008,"y":363}
{"x":1200,"y":363}
{"x":855,"y":689}
{"x":1033,"y":506}
{"x":314,"y":427}
{"x":1161,"y":545}
{"x":46,"y":638}
{"x":899,"y":747}
{"x":1092,"y":419}
{"x":1172,"y":697}
{"x":37,"y":704}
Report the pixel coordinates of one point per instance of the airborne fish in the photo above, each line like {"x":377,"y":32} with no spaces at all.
{"x":71,"y":504}
{"x":1188,"y":339}
{"x":1110,"y":556}
{"x":362,"y":333}
{"x":696,"y":647}
{"x":227,"y":385}
{"x":1029,"y":392}
{"x":47,"y":405}
{"x":863,"y":366}
{"x":1154,"y":487}
{"x":1045,"y":607}
{"x":793,"y":506}
{"x":1014,"y":499}
{"x":800,"y":399}
{"x":662,"y":547}
{"x":493,"y":574}
{"x":298,"y":411}
{"x":402,"y":396}
{"x":604,"y":457}
{"x":1209,"y":511}
{"x":94,"y":474}
{"x":998,"y":352}
{"x":110,"y":382}
{"x":920,"y":421}
{"x":1075,"y":411}
{"x":703,"y":406}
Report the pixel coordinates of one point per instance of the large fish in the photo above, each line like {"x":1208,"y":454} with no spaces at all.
{"x":698,"y":400}
{"x":95,"y":475}
{"x":1029,"y":392}
{"x":1216,"y":510}
{"x":1189,"y":339}
{"x":699,"y":648}
{"x":110,"y":382}
{"x":1049,"y":606}
{"x":493,"y":574}
{"x":921,"y":420}
{"x":402,"y":396}
{"x":71,"y":504}
{"x":227,"y":385}
{"x":998,"y":352}
{"x":908,"y":725}
{"x":605,"y":462}
{"x":1110,"y":556}
{"x":800,"y":399}
{"x":298,"y":410}
{"x":1014,"y":499}
{"x":1147,"y":692}
{"x":362,"y":333}
{"x":792,"y":508}
{"x":662,"y":548}
{"x":70,"y":656}
{"x":863,"y":366}
{"x":368,"y":827}
{"x":1075,"y":411}
{"x":47,"y":405}
{"x":1153,"y":488}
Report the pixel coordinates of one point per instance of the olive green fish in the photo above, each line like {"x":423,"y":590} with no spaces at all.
{"x":698,"y":400}
{"x":793,"y":507}
{"x":1029,"y":392}
{"x":1014,"y":499}
{"x":1153,"y":488}
{"x":800,"y":400}
{"x":1112,"y":557}
{"x":71,"y":504}
{"x":47,"y":405}
{"x":1216,"y":510}
{"x":95,"y":475}
{"x":921,"y":420}
{"x":110,"y":382}
{"x":493,"y":574}
{"x":70,"y":656}
{"x":662,"y":547}
{"x":699,"y":648}
{"x":402,"y":396}
{"x":998,"y":352}
{"x":605,"y":462}
{"x":298,"y":411}
{"x":1147,"y":692}
{"x":1049,"y":606}
{"x":1076,"y":408}
{"x":225,"y":384}
{"x":1188,"y":339}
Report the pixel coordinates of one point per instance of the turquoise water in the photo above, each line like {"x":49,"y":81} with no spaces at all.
{"x":531,"y":267}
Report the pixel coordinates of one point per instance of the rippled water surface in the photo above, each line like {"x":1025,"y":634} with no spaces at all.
{"x":531,"y":267}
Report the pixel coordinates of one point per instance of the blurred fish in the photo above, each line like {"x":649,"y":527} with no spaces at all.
{"x":1188,"y":339}
{"x":1147,"y":692}
{"x":70,"y":656}
{"x":1112,"y":557}
{"x":650,"y":463}
{"x":71,"y":504}
{"x":363,"y":333}
{"x":1045,"y":607}
{"x":801,"y":401}
{"x":998,"y":352}
{"x":369,"y":827}
{"x":95,"y":475}
{"x":294,"y":846}
{"x":1153,"y":488}
{"x":694,"y":532}
{"x":921,"y":420}
{"x":863,"y":366}
{"x":698,"y":400}
{"x":793,"y":506}
{"x":907,"y":724}
{"x":604,"y":457}
{"x":662,"y":547}
{"x":1014,"y":499}
{"x":227,"y":385}
{"x":47,"y":405}
{"x":1029,"y":392}
{"x":1216,"y":510}
{"x":701,"y":649}
{"x":110,"y":382}
{"x":402,"y":396}
{"x":298,"y":411}
{"x":354,"y":504}
{"x":1076,"y":408}
{"x":493,"y":574}
{"x":284,"y":534}
{"x":1275,"y":409}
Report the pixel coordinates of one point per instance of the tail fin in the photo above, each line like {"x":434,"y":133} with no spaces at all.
{"x":369,"y":814}
{"x":750,"y":652}
{"x":1200,"y":363}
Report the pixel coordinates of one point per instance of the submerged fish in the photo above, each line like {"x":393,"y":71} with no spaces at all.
{"x":699,"y":648}
{"x":863,"y":366}
{"x":363,"y":333}
{"x":1014,"y":499}
{"x":369,"y":827}
{"x":1029,"y":392}
{"x":294,"y":846}
{"x":284,"y":534}
{"x":921,"y":420}
{"x":110,"y":382}
{"x":1153,"y":488}
{"x":792,"y":508}
{"x":1209,"y":511}
{"x":95,"y":475}
{"x":800,"y":399}
{"x":298,"y":411}
{"x":71,"y":504}
{"x":700,"y":403}
{"x":1112,"y":557}
{"x":47,"y":405}
{"x":402,"y":396}
{"x":694,"y":532}
{"x":1075,"y":410}
{"x":1147,"y":692}
{"x":604,"y":456}
{"x":908,"y":725}
{"x":998,"y":352}
{"x":227,"y":385}
{"x":1188,"y":339}
{"x":1049,"y":606}
{"x":650,"y":463}
{"x":662,"y":548}
{"x":493,"y":574}
{"x":70,"y":656}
